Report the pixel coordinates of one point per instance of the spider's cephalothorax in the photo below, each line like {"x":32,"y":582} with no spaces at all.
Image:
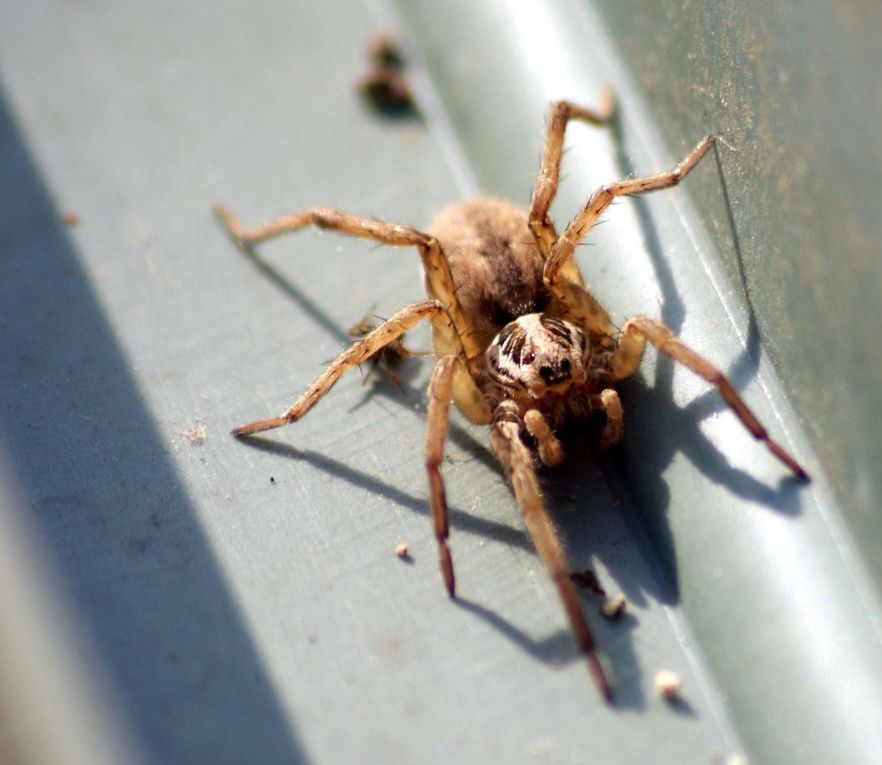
{"x":522,"y":345}
{"x":538,"y":355}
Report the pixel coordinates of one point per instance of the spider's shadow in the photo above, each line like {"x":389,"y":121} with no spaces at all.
{"x":681,"y":435}
{"x":459,"y":519}
{"x":554,"y":649}
{"x":654,"y":410}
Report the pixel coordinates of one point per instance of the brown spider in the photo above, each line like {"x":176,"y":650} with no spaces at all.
{"x":521,"y":345}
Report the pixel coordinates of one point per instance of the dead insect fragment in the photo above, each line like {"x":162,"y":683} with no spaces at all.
{"x":384,"y":86}
{"x":384,"y":50}
{"x":387,"y":358}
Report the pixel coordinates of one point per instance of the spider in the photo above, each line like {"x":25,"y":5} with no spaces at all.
{"x":521,"y":344}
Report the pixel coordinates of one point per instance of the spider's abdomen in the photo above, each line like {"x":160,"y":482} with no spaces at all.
{"x":496,"y":267}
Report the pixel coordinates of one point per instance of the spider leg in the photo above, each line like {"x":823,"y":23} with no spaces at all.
{"x":323,"y":218}
{"x":563,"y":248}
{"x":627,"y":357}
{"x":614,"y":428}
{"x":439,"y":278}
{"x":548,"y":445}
{"x":579,"y":304}
{"x":450,"y":371}
{"x":377,"y":339}
{"x":516,"y":459}
{"x":559,"y":115}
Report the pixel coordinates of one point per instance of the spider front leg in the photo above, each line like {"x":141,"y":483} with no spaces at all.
{"x":517,"y":461}
{"x":559,"y":115}
{"x":627,"y":358}
{"x":360,"y":351}
{"x":450,"y":378}
{"x":579,"y":304}
{"x":438,"y":276}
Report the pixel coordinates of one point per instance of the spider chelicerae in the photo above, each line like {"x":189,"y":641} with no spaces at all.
{"x":521,"y":344}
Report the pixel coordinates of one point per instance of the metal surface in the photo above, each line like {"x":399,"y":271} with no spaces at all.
{"x":795,"y":88}
{"x":242,"y":603}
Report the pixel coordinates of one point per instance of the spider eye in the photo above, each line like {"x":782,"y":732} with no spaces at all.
{"x":565,"y":366}
{"x":529,"y":358}
{"x":545,"y":372}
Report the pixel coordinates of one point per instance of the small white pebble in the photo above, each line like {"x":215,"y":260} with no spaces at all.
{"x":401,"y":551}
{"x":614,"y":607}
{"x":667,"y":684}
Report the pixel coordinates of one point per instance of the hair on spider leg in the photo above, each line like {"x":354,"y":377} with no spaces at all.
{"x":720,"y":140}
{"x":521,"y":346}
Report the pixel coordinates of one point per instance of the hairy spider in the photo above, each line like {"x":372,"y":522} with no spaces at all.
{"x":521,"y":345}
